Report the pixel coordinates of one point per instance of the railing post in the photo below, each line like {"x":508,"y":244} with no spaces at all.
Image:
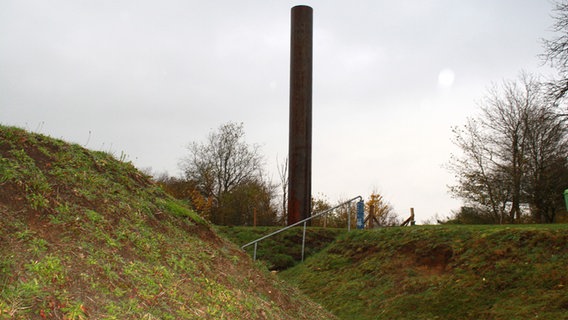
{"x":349,"y":217}
{"x":304,"y":240}
{"x":254,"y":256}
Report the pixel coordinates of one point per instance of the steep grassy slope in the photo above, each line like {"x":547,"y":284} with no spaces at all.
{"x":442,"y":272}
{"x":83,"y":235}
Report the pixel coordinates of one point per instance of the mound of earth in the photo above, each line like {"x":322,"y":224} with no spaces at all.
{"x":83,"y":235}
{"x":441,"y":272}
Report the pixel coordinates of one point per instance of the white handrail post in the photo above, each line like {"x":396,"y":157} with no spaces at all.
{"x":304,"y":240}
{"x":349,"y":217}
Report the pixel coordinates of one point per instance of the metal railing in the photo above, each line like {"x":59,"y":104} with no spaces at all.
{"x":255,"y":242}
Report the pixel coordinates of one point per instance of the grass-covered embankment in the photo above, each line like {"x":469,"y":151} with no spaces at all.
{"x":83,"y":235}
{"x":442,"y":272}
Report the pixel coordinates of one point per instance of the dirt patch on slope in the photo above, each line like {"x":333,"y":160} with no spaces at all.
{"x":428,"y":259}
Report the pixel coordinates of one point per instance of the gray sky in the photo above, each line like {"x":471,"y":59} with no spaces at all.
{"x":391,"y":78}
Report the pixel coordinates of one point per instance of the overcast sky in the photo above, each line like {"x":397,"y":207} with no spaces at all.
{"x":391,"y":78}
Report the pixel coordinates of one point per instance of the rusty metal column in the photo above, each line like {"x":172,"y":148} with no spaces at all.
{"x":300,"y":139}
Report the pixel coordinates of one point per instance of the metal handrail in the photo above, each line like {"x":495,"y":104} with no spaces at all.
{"x":255,"y":242}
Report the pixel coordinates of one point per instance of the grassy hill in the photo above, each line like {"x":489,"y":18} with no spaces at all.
{"x":83,"y":235}
{"x":442,"y":272}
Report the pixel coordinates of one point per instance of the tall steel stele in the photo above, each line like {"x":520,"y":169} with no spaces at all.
{"x":300,"y":135}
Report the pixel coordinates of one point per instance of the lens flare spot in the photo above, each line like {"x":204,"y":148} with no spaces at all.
{"x":446,"y":78}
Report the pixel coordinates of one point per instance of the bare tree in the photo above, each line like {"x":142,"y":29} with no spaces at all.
{"x":283,"y":174}
{"x":506,"y":114}
{"x":547,"y":148}
{"x":504,"y":149}
{"x":223,"y":163}
{"x":556,"y":51}
{"x":479,"y":181}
